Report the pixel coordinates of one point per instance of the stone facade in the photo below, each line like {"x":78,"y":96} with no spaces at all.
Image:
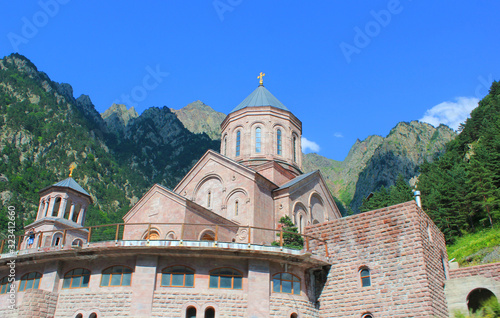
{"x":392,"y":243}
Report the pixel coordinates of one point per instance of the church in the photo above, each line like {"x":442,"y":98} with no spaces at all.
{"x":215,"y":246}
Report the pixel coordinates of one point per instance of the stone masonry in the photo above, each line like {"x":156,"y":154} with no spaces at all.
{"x":395,"y":245}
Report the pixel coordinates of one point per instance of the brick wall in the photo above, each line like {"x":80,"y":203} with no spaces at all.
{"x":173,"y":304}
{"x":38,"y":303}
{"x":8,"y":313}
{"x":488,"y":270}
{"x":283,"y":305}
{"x":406,"y":279}
{"x":112,"y":304}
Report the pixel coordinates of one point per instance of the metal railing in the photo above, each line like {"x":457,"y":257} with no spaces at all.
{"x":218,"y":233}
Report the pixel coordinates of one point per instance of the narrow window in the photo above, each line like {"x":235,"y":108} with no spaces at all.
{"x":177,"y":276}
{"x":67,"y":209}
{"x":210,"y":312}
{"x":225,"y":148}
{"x":30,"y":281}
{"x":294,"y":149}
{"x":301,"y":224}
{"x":209,"y":198}
{"x":116,"y":276}
{"x":294,"y":315}
{"x":257,"y":140}
{"x":365,"y":277}
{"x":278,"y":134}
{"x":367,"y":316}
{"x":191,"y":312}
{"x":79,"y":316}
{"x":286,"y":283}
{"x":55,"y":209}
{"x":93,"y":315}
{"x":238,"y":141}
{"x":4,"y":285}
{"x":226,"y":278}
{"x":77,"y":278}
{"x":76,"y":212}
{"x":208,"y":236}
{"x":236,"y":207}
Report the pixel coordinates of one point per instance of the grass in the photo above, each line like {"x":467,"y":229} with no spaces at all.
{"x":465,"y":247}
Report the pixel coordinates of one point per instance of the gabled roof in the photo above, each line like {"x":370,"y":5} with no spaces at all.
{"x":260,"y":97}
{"x":296,"y":180}
{"x":71,"y":183}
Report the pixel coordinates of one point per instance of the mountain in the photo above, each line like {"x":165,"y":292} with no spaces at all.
{"x":44,"y":129}
{"x":200,"y":118}
{"x":117,"y":117}
{"x":377,"y":161}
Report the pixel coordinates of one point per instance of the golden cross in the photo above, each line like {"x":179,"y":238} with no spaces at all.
{"x":261,"y":82}
{"x":71,"y":168}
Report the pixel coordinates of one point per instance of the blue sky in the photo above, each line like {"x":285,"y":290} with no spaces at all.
{"x":346,"y":69}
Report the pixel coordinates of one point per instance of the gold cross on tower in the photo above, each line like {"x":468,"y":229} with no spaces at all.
{"x":71,"y":168}
{"x":261,"y":82}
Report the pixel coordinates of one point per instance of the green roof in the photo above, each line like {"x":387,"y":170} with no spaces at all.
{"x":260,"y":97}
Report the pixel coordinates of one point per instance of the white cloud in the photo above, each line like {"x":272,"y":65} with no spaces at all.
{"x":451,"y":114}
{"x":338,"y":135}
{"x":311,"y":145}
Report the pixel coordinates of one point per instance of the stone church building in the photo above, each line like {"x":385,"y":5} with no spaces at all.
{"x":214,"y":245}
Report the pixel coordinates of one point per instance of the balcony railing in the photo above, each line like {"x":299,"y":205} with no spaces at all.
{"x":180,"y":232}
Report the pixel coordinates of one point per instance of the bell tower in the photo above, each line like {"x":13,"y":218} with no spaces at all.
{"x":263,"y":134}
{"x":61,"y":214}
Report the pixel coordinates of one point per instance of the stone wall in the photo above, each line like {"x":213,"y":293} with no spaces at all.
{"x":403,"y":264}
{"x":38,"y":303}
{"x":112,"y":304}
{"x":174,"y":304}
{"x":464,"y":280}
{"x":283,"y":305}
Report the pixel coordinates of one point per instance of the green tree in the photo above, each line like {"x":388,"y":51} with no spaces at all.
{"x":290,"y":239}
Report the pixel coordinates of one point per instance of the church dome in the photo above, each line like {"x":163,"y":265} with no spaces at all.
{"x":260,"y":97}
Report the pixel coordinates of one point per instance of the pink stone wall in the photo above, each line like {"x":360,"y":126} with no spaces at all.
{"x":38,"y":303}
{"x":405,"y":278}
{"x":491,"y":271}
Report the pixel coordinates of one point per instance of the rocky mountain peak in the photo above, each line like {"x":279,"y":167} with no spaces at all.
{"x":199,"y":118}
{"x":117,"y":117}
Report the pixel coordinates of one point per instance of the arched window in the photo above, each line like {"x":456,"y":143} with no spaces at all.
{"x":57,"y":239}
{"x":210,"y":312}
{"x":294,"y":315}
{"x":365,"y":277}
{"x":295,"y":148}
{"x":238,"y":142}
{"x":77,"y":243}
{"x":207,"y":236}
{"x":79,"y":316}
{"x":30,"y":281}
{"x":367,"y":316}
{"x":226,"y":278}
{"x":93,"y":315}
{"x":278,"y":141}
{"x":257,"y":140}
{"x":116,"y":276}
{"x":77,"y":278}
{"x":209,"y":198}
{"x":177,"y":276}
{"x":191,"y":312}
{"x":236,"y":208}
{"x":152,"y":234}
{"x":67,"y":209}
{"x":477,"y":297}
{"x":4,"y":285}
{"x":55,"y":208}
{"x":76,"y":212}
{"x":171,"y":235}
{"x":286,"y":283}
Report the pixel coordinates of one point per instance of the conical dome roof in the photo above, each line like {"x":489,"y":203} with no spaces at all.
{"x":260,"y":97}
{"x":71,"y":183}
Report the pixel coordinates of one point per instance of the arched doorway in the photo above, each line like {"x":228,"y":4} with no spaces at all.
{"x":210,"y":312}
{"x":477,"y":297}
